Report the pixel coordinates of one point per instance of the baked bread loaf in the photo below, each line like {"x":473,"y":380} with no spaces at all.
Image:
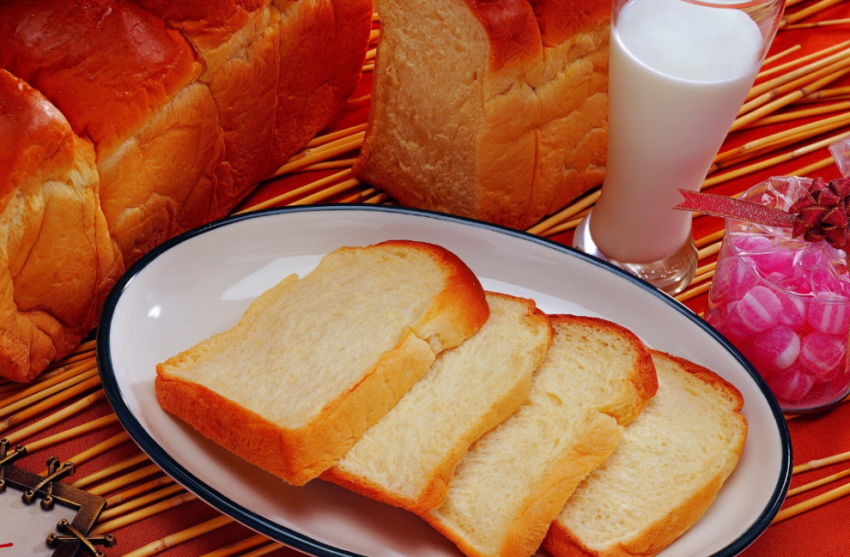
{"x":49,"y":211}
{"x":666,"y":471}
{"x":408,"y":458}
{"x":493,"y":110}
{"x":315,"y":362}
{"x":187,"y":105}
{"x":595,"y":378}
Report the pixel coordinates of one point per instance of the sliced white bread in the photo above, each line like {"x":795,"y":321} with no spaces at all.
{"x":408,"y":458}
{"x":315,"y":362}
{"x":514,"y":481}
{"x":666,"y":471}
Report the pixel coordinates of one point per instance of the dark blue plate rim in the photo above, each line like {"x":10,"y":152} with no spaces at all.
{"x":306,"y":544}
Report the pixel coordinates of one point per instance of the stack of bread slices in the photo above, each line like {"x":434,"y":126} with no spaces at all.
{"x":388,"y":370}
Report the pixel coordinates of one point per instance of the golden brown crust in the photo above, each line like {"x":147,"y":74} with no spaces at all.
{"x":559,"y":20}
{"x":561,"y":542}
{"x":512,"y":30}
{"x":298,"y":455}
{"x":56,"y":260}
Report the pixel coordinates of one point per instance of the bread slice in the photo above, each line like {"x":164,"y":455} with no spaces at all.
{"x":494,"y":110}
{"x":315,"y":362}
{"x":595,"y":378}
{"x":665,"y":473}
{"x":408,"y":458}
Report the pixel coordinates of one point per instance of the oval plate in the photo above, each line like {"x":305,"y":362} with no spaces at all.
{"x":201,"y":283}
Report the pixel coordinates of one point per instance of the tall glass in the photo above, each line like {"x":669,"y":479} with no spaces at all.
{"x":679,"y":72}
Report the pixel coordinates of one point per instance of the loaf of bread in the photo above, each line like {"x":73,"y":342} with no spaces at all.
{"x":666,"y":471}
{"x":185,"y":107}
{"x":315,"y":362}
{"x":408,"y":458}
{"x":493,"y":110}
{"x":595,"y":378}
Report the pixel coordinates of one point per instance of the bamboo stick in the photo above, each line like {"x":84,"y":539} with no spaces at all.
{"x":565,"y":214}
{"x":132,"y":492}
{"x":123,"y":481}
{"x":708,"y":251}
{"x":706,"y":268}
{"x":49,"y":403}
{"x":264,"y":550}
{"x":329,"y":165}
{"x":380,"y":198}
{"x":710,"y":238}
{"x":694,"y":292}
{"x":15,"y":387}
{"x":814,"y":167}
{"x":119,"y":510}
{"x":772,"y":107}
{"x":359,"y":196}
{"x":824,"y":23}
{"x":374,"y":34}
{"x":702,"y":277}
{"x":792,"y":76}
{"x":320,"y":153}
{"x":167,"y":542}
{"x":55,"y":418}
{"x":814,"y":100}
{"x":812,"y":503}
{"x":778,"y":56}
{"x":368,"y":67}
{"x":801,"y":59}
{"x":327,"y":193}
{"x":370,"y":54}
{"x":795,"y":85}
{"x":360,"y":100}
{"x":837,"y":92}
{"x":238,"y":547}
{"x":142,"y":514}
{"x":97,"y":450}
{"x":333,"y":136}
{"x":790,"y":3}
{"x":804,"y":13}
{"x":799,"y":132}
{"x":797,"y":153}
{"x":87,"y":346}
{"x":569,"y":225}
{"x":798,"y":114}
{"x":48,"y":387}
{"x":71,"y":359}
{"x":20,"y":400}
{"x":820,"y":463}
{"x":817,"y":483}
{"x":286,"y":198}
{"x":108,"y":471}
{"x":71,"y":433}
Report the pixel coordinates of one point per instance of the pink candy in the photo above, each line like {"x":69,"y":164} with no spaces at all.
{"x":736,"y":277}
{"x":790,"y":384}
{"x":777,"y":348}
{"x":829,"y":318}
{"x":821,"y":354}
{"x":794,"y":310}
{"x":759,"y":309}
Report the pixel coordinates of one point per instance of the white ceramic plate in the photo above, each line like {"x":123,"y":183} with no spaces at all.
{"x":201,"y":282}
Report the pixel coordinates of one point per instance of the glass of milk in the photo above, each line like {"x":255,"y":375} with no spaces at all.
{"x":679,"y":73}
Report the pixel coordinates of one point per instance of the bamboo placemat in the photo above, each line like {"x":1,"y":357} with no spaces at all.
{"x":797,"y":107}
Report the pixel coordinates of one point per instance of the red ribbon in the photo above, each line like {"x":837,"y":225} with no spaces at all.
{"x":731,"y":208}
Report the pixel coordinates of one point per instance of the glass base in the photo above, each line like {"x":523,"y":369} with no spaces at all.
{"x":672,"y":274}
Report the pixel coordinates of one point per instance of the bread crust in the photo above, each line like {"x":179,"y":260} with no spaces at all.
{"x":437,"y":485}
{"x":56,"y":260}
{"x":299,"y":454}
{"x":559,"y":20}
{"x":656,"y":536}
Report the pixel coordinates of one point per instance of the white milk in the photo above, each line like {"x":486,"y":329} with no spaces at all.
{"x":679,"y":73}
